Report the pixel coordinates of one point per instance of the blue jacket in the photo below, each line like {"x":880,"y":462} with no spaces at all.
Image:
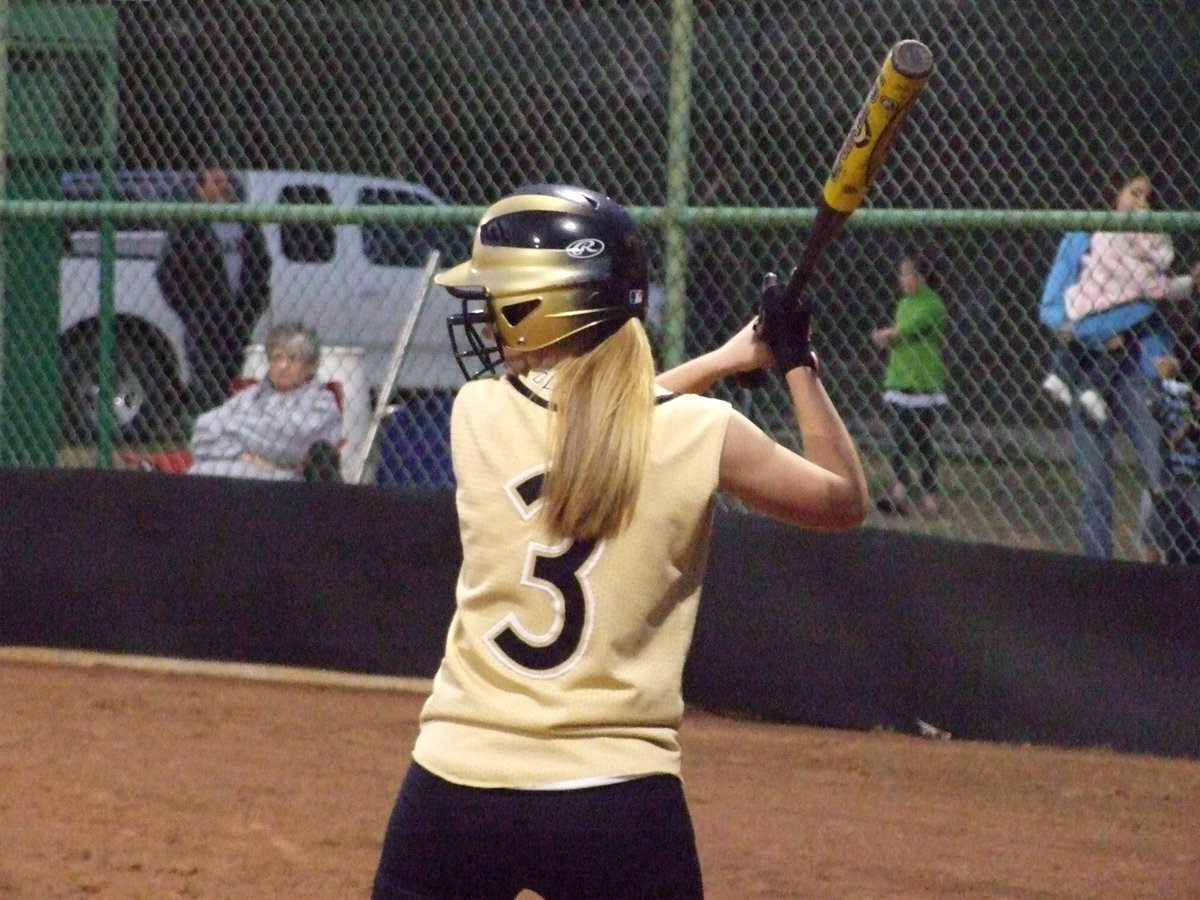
{"x":1097,"y":327}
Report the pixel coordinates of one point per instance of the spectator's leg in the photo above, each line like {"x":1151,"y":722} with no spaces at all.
{"x":1093,"y":468}
{"x":1077,"y":367}
{"x":1131,"y":398}
{"x":1190,"y":528}
{"x":903,"y":423}
{"x":1155,"y":342}
{"x":239,"y":332}
{"x":1155,"y":515}
{"x":1178,"y":508}
{"x":205,"y":390}
{"x":924,"y":424}
{"x":899,"y":446}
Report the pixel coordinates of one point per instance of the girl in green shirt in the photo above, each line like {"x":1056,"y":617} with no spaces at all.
{"x":914,"y":385}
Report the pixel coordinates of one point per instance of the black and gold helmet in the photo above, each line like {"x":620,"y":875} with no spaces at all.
{"x":549,"y":261}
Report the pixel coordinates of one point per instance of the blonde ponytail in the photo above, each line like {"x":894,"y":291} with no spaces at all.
{"x":600,"y":435}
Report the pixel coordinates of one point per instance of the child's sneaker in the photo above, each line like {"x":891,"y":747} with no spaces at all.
{"x":1093,"y":404}
{"x":894,"y":502}
{"x":1057,"y":389}
{"x":889,"y":506}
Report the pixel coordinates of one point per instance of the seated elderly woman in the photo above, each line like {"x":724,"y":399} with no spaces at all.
{"x":284,"y":428}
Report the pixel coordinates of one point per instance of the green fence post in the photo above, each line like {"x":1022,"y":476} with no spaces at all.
{"x":55,"y":116}
{"x":679,"y":130}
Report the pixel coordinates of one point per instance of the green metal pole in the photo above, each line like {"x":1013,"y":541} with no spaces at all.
{"x":679,"y":129}
{"x":4,"y":39}
{"x":106,"y":338}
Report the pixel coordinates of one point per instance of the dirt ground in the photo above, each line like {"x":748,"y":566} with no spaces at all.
{"x":142,"y":784}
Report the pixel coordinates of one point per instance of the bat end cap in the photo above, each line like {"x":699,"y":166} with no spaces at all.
{"x":912,"y":59}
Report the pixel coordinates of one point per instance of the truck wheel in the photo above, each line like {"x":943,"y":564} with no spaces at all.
{"x":143,"y":386}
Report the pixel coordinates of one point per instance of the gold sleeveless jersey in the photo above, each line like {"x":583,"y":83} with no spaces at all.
{"x":564,"y":659}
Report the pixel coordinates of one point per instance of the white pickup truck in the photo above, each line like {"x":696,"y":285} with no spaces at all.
{"x":354,"y":283}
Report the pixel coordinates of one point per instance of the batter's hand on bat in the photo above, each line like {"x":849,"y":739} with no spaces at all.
{"x":747,"y":352}
{"x":786,"y":325}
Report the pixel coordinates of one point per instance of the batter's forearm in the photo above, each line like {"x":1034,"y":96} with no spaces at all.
{"x":826,"y":440}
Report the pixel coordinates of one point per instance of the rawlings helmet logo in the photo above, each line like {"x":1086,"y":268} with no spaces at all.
{"x":585,"y":248}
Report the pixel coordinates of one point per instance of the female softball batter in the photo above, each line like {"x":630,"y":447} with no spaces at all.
{"x":547,"y":756}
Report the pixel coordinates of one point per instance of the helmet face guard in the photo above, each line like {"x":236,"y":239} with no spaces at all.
{"x":548,"y":262}
{"x":469,"y":339}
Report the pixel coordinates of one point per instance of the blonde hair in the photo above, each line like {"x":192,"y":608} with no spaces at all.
{"x":600,"y":435}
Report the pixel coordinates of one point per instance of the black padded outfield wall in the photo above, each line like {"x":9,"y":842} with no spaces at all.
{"x":878,"y":629}
{"x":863,"y":630}
{"x":318,"y":575}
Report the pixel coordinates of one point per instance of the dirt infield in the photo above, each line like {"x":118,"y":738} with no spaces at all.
{"x":132,"y":784}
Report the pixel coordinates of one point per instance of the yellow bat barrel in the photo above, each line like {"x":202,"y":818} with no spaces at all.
{"x":901,"y":77}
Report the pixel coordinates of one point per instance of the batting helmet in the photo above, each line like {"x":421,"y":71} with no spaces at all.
{"x":549,"y":261}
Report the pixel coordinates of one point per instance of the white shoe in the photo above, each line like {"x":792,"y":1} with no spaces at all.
{"x":1057,"y":389}
{"x":1094,"y":405}
{"x":925,"y":730}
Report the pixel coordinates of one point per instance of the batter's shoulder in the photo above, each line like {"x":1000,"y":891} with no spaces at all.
{"x":692,"y":405}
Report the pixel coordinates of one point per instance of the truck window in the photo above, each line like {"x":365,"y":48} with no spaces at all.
{"x":307,"y":242}
{"x":134,"y":238}
{"x":406,"y":245}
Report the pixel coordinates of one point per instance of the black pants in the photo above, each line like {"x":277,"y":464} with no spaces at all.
{"x":216,"y":345}
{"x":623,"y":841}
{"x":912,"y":442}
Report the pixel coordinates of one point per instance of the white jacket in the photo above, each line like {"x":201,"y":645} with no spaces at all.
{"x":1122,"y":266}
{"x":264,"y":433}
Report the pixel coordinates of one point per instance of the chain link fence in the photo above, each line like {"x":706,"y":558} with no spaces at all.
{"x":362,"y":138}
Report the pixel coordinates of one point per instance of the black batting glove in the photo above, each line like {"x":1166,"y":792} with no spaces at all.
{"x":786,"y":326}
